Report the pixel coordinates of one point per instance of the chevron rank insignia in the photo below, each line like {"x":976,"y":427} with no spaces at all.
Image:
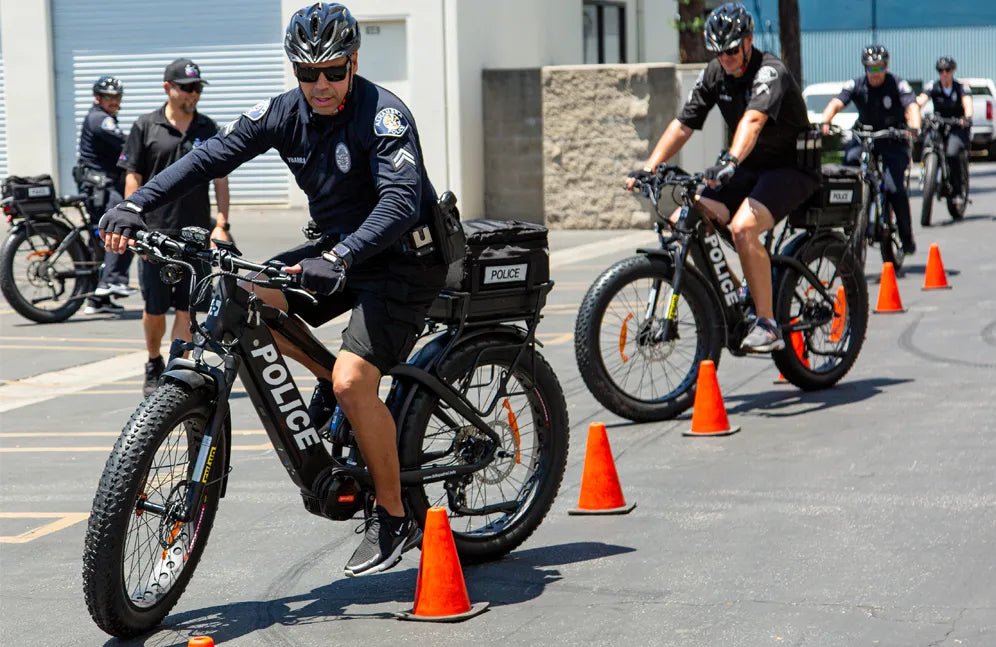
{"x":402,"y":157}
{"x":389,"y":122}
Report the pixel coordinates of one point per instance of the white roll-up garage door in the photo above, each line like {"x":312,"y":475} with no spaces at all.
{"x":3,"y":122}
{"x":238,"y":48}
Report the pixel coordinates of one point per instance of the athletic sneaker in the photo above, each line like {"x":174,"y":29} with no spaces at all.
{"x":764,"y":337}
{"x":322,"y":404}
{"x":153,"y":369}
{"x":385,"y":538}
{"x":122,"y":290}
{"x":104,"y":307}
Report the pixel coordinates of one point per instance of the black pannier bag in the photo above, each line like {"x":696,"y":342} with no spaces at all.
{"x":505,"y":272}
{"x":836,"y":203}
{"x":34,"y":195}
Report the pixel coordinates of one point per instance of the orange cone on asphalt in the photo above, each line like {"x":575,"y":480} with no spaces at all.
{"x":709,"y":412}
{"x":201,"y":641}
{"x":888,"y":291}
{"x":799,"y":346}
{"x":935,"y":278}
{"x":600,"y":489}
{"x":440,"y":592}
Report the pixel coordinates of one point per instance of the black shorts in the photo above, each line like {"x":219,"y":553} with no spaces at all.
{"x":159,"y":296}
{"x":781,"y":189}
{"x":388,"y":294}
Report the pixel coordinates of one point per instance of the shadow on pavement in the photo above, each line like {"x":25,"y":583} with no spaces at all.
{"x":793,"y":402}
{"x":518,"y":578}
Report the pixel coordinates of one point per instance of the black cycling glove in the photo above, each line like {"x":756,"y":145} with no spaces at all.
{"x":643,"y":175}
{"x":322,"y":276}
{"x":124,"y":219}
{"x":723,"y":170}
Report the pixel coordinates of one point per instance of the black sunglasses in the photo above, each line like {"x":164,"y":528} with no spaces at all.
{"x":945,"y":69}
{"x":190,"y":87}
{"x":332,"y":74}
{"x":733,"y":51}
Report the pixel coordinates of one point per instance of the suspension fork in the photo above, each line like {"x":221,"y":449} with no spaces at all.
{"x":666,"y":330}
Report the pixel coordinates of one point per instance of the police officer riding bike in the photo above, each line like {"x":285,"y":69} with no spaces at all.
{"x":354,"y":149}
{"x":101,"y":181}
{"x":951,"y":123}
{"x":883,"y":101}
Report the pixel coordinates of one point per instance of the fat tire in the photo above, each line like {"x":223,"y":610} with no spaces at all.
{"x":114,"y":504}
{"x":856,"y":294}
{"x":8,"y":282}
{"x":709,"y":328}
{"x":929,"y":187}
{"x":550,"y":403}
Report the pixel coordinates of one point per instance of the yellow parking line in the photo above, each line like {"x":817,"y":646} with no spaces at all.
{"x":55,"y":450}
{"x":62,"y":520}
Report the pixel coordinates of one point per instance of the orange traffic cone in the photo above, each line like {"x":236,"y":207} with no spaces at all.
{"x":440,"y":592}
{"x":709,"y":412}
{"x":799,"y":346}
{"x":888,"y":291}
{"x":600,"y":489}
{"x":201,"y":641}
{"x":935,"y":278}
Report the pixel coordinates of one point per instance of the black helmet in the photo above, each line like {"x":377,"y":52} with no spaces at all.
{"x":322,"y":32}
{"x":946,"y":63}
{"x":727,"y":27}
{"x":874,"y":55}
{"x":108,"y":85}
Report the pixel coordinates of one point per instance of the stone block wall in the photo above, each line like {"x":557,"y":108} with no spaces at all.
{"x":559,"y":141}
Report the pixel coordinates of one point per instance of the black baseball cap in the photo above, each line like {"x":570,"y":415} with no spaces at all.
{"x":183,"y":71}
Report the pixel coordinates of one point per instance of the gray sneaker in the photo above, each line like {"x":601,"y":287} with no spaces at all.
{"x":764,"y":336}
{"x":385,"y":538}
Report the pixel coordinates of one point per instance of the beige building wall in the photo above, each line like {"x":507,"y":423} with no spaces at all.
{"x":30,"y":89}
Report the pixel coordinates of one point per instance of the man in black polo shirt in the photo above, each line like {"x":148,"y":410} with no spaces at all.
{"x":156,"y":140}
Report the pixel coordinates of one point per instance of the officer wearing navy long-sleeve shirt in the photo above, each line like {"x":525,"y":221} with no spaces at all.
{"x":98,"y":177}
{"x":354,"y":149}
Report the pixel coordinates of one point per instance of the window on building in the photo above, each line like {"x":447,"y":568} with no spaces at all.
{"x":604,"y":32}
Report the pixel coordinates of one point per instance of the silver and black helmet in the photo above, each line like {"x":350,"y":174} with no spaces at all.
{"x":321,"y":32}
{"x":946,"y":63}
{"x":727,"y":27}
{"x":874,"y":55}
{"x":108,"y":85}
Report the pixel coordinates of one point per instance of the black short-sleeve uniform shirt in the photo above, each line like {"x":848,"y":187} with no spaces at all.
{"x":154,"y":144}
{"x":362,"y":169}
{"x":948,"y":104}
{"x":766,"y":86}
{"x":101,"y":141}
{"x":881,"y":107}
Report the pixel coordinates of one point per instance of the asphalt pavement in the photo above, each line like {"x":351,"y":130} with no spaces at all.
{"x":860,"y":515}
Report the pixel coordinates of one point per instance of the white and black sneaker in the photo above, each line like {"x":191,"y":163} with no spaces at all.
{"x":385,"y":538}
{"x":106,"y":306}
{"x":764,"y":336}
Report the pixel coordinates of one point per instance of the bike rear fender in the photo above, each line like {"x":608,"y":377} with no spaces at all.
{"x":404,"y":390}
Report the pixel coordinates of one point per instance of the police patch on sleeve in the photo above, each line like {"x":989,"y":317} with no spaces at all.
{"x":766,"y":74}
{"x":109,"y":124}
{"x":257,"y":110}
{"x":904,"y":87}
{"x":389,"y":122}
{"x":849,"y":84}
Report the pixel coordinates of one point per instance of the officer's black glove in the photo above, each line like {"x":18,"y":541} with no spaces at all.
{"x":322,"y":276}
{"x":642,"y":176}
{"x":124,"y":219}
{"x":724,"y":168}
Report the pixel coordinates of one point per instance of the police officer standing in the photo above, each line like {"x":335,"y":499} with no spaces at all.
{"x":99,"y":178}
{"x":758,"y":181}
{"x":883,"y":101}
{"x":353,"y":147}
{"x":156,"y":140}
{"x":952,"y":99}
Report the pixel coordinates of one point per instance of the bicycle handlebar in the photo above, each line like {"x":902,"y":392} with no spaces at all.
{"x":885,"y":133}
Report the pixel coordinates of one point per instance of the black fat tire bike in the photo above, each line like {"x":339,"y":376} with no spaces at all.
{"x":482,"y":431}
{"x":936,"y":176}
{"x":49,"y":263}
{"x":648,"y":321}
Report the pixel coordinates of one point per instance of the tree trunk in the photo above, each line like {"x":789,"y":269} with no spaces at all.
{"x":788,"y":34}
{"x":690,"y":22}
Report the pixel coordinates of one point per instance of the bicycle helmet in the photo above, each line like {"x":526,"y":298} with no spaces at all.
{"x":946,"y":63}
{"x":108,"y":85}
{"x":874,"y":55}
{"x":321,"y":32}
{"x":727,"y":27}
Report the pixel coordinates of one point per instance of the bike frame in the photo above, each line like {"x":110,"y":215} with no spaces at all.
{"x":237,"y":329}
{"x":698,"y":237}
